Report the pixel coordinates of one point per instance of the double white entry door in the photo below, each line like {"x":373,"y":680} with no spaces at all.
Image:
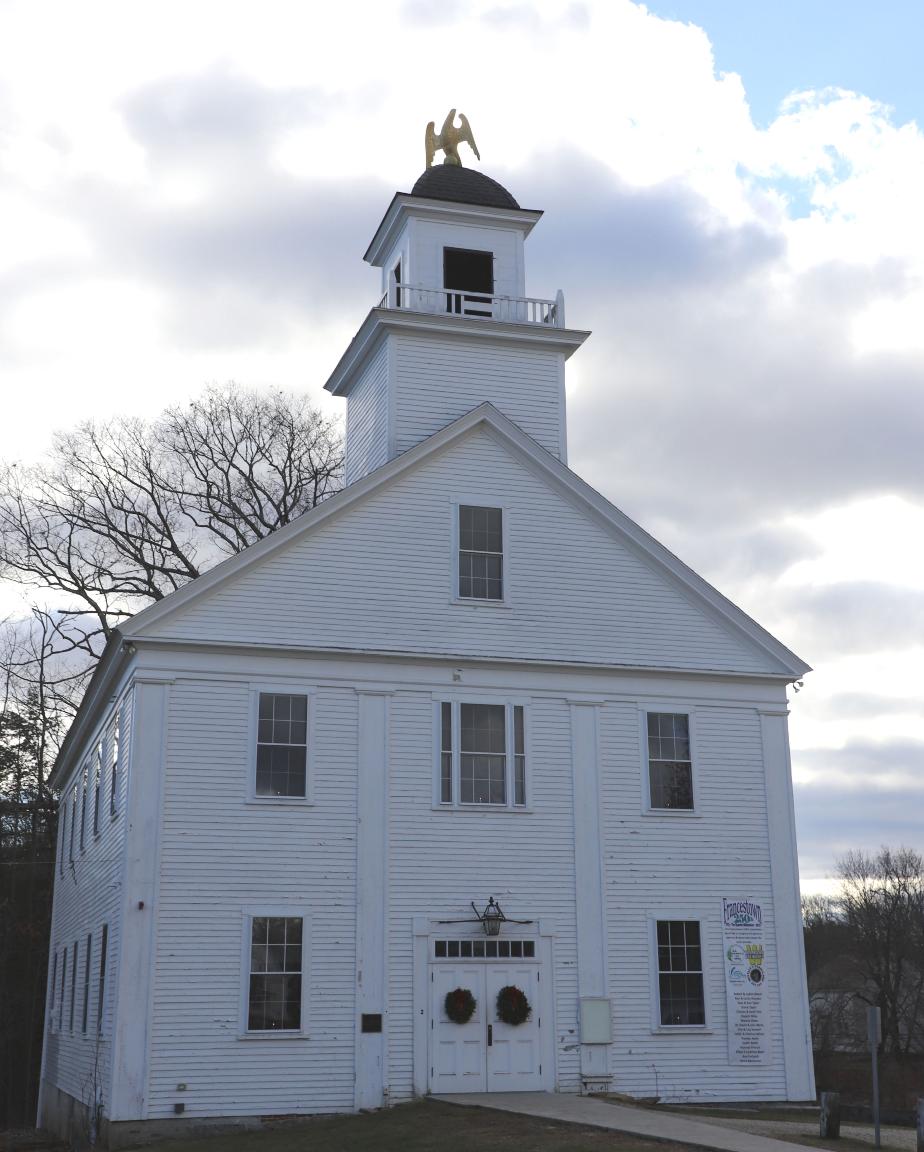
{"x":484,"y":1055}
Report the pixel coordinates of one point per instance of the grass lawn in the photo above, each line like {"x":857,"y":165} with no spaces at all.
{"x":423,"y":1126}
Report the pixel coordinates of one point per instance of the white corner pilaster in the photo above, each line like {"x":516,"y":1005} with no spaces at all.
{"x":371,"y":898}
{"x":588,"y":874}
{"x":134,"y":991}
{"x":787,"y":911}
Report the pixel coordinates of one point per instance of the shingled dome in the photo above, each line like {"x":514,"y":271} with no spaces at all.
{"x":464,"y":186}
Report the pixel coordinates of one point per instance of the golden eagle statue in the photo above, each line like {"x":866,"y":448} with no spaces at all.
{"x":449,"y":139}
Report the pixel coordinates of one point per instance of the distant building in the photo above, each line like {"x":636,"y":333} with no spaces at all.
{"x":467,"y":676}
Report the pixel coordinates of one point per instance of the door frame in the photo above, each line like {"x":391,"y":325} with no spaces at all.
{"x":426,"y":931}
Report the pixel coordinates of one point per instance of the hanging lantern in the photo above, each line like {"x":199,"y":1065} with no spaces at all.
{"x":491,"y":918}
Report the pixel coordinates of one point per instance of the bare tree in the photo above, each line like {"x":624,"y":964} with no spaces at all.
{"x":123,"y":513}
{"x":882,"y":898}
{"x":118,"y":516}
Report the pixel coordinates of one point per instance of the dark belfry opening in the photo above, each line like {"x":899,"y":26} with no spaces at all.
{"x":469,"y":277}
{"x":397,"y":275}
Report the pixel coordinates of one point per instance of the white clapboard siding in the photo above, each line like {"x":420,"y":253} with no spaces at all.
{"x":367,"y":418}
{"x":438,"y":380}
{"x":380,"y":576}
{"x":678,"y":867}
{"x":220,"y":856}
{"x":86,"y":896}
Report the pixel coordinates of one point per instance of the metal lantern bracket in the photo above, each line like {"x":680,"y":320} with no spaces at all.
{"x":490,"y":919}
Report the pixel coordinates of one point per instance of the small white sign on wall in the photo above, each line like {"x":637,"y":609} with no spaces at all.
{"x":745,"y":960}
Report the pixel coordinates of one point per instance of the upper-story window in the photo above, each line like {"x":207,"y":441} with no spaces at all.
{"x":481,"y":553}
{"x":670,"y":763}
{"x":482,"y":756}
{"x":468,"y":277}
{"x":97,"y":787}
{"x":282,"y":745}
{"x":114,"y":753}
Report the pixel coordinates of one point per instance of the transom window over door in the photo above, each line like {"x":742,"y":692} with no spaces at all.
{"x":481,"y":553}
{"x":482,"y":758}
{"x":282,"y":745}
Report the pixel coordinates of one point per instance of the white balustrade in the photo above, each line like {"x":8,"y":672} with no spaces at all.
{"x":511,"y":309}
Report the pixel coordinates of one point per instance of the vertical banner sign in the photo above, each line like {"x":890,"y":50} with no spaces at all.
{"x":745,"y":981}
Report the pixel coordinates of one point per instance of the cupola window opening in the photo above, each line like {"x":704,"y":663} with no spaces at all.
{"x":468,"y":277}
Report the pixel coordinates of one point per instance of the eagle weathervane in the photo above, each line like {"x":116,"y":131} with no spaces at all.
{"x":449,"y":139}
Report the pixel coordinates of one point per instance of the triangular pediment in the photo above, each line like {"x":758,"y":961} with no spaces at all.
{"x":371,"y":571}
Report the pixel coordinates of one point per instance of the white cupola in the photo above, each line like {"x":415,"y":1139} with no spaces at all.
{"x":454,"y":326}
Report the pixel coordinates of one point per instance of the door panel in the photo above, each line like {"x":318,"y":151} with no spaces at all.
{"x":484,"y":1055}
{"x":514,"y":1056}
{"x":457,"y":1057}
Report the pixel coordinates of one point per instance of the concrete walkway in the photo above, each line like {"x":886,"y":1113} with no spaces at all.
{"x":647,"y":1122}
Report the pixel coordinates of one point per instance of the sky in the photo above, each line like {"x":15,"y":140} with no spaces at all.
{"x":732,"y":198}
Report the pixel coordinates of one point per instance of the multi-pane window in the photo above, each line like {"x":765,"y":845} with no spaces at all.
{"x":73,"y":822}
{"x":481,"y":553}
{"x":83,"y":810}
{"x":74,"y":983}
{"x":54,"y":991}
{"x":62,"y":829}
{"x":680,"y":973}
{"x":63,"y":987}
{"x":275,"y":994}
{"x":670,"y":768}
{"x":482,"y":754}
{"x":101,"y":986}
{"x":97,"y":785}
{"x":86,"y":983}
{"x":114,"y":774}
{"x":282,"y":745}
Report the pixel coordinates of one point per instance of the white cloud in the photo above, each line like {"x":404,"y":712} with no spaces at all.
{"x":186,"y":191}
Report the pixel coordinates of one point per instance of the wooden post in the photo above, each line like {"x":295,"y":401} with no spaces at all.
{"x":829,"y":1126}
{"x":921,"y":1124}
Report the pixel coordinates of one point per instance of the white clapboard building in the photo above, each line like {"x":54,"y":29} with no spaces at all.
{"x":294,"y":783}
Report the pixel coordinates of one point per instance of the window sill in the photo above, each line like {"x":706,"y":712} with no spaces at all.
{"x":682,"y":1030}
{"x":477,"y":602}
{"x":273,"y":1034}
{"x":279,"y":802}
{"x":674,"y":813}
{"x":481,"y":808}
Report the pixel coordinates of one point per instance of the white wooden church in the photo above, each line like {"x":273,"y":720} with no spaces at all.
{"x":460,"y":783}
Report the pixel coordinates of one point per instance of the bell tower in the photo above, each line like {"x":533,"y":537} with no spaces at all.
{"x":454,"y":326}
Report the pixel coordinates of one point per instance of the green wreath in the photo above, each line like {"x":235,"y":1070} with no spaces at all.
{"x":459,"y":1005}
{"x":512,"y":1005}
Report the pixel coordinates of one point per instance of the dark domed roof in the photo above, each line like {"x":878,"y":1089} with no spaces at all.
{"x":463,"y":185}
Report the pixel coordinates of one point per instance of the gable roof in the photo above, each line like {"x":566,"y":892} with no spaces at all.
{"x":788,"y":665}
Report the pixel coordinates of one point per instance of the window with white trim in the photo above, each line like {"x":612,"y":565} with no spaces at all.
{"x":114,"y":760}
{"x":101,"y":982}
{"x":86,"y":983}
{"x":52,"y":1007}
{"x":97,"y":785}
{"x":83,"y":810}
{"x":681,"y":998}
{"x":274,"y":1002}
{"x":73,"y":822}
{"x":670,"y":763}
{"x":481,"y":553}
{"x":282,"y":745}
{"x":482,"y":755}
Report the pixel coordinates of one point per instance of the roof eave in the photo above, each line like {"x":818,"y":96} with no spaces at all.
{"x":452,"y":211}
{"x":381,"y":320}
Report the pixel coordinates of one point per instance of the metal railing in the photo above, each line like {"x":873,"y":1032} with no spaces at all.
{"x":455,"y":302}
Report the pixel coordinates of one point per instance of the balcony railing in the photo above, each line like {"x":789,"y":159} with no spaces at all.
{"x":450,"y":301}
